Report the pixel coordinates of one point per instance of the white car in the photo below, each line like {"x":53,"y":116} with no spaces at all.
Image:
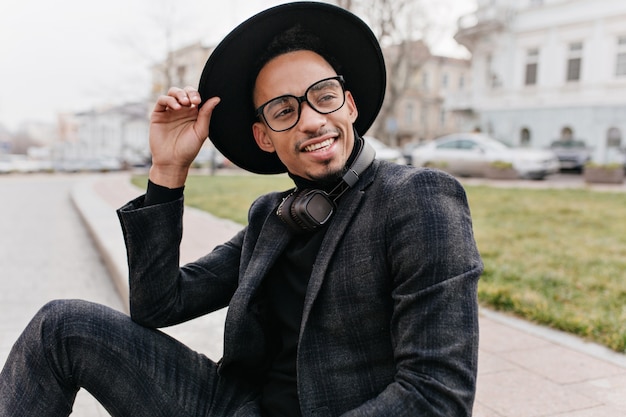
{"x":6,"y":165}
{"x":385,"y":152}
{"x":470,"y":154}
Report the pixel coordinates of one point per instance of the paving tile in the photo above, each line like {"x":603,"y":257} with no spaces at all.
{"x":601,"y":411}
{"x":489,"y":363}
{"x":496,"y":337}
{"x":520,"y":393}
{"x":610,"y":391}
{"x":204,"y":334}
{"x":563,"y":365}
{"x":480,"y":410}
{"x":86,"y":405}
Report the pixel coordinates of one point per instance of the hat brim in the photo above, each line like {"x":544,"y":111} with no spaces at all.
{"x":228,"y":74}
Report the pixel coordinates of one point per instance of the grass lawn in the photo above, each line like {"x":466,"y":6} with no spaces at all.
{"x":555,"y":257}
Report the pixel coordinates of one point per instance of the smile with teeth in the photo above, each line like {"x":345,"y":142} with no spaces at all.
{"x":318,"y":146}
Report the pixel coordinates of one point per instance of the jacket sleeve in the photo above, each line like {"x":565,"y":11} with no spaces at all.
{"x":434,"y":266}
{"x":162,"y":293}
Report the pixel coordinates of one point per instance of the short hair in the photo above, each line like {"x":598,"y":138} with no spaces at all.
{"x":294,"y":39}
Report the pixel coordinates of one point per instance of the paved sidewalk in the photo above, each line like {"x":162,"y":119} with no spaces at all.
{"x":524,"y":370}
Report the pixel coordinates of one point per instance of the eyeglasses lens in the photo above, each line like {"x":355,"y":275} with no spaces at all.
{"x":325,"y":96}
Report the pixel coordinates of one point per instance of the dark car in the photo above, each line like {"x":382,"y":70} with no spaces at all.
{"x":572,"y":154}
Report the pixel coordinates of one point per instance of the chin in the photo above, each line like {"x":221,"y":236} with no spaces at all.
{"x":330,"y":175}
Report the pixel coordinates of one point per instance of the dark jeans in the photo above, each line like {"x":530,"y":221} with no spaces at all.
{"x":131,"y":370}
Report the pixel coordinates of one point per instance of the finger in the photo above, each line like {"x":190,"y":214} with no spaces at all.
{"x":166,"y":102}
{"x":193,"y":95}
{"x":181,"y":95}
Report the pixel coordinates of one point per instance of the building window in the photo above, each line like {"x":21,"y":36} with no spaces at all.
{"x":614,"y":138}
{"x":461,"y":83}
{"x":613,"y":153}
{"x":425,"y":81}
{"x":180,"y":74}
{"x":620,"y":67}
{"x":423,"y":116}
{"x":525,"y":137}
{"x":532,"y":58}
{"x":567,"y":133}
{"x":444,"y":81}
{"x":409,"y":114}
{"x":574,"y":61}
{"x":493,"y":80}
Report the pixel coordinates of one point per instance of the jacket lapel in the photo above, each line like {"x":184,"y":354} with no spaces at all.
{"x":240,"y":325}
{"x":270,"y":244}
{"x":347,"y":207}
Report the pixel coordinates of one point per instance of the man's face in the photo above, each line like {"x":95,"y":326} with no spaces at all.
{"x":318,"y":146}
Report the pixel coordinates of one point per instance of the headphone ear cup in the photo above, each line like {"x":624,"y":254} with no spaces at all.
{"x":284,"y":212}
{"x":312,"y":209}
{"x":306,"y":210}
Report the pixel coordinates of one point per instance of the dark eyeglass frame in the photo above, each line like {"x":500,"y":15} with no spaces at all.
{"x":259,"y":111}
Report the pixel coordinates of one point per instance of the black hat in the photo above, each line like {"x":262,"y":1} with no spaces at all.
{"x":231,"y":70}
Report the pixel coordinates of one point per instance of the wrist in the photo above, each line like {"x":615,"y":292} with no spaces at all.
{"x":168,"y":176}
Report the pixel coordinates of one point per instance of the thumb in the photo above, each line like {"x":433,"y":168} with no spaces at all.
{"x":204,"y":116}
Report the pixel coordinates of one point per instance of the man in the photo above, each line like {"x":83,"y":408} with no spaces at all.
{"x":353,"y":294}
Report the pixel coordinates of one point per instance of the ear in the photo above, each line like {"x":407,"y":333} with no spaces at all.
{"x":351,"y":107}
{"x":259,"y":130}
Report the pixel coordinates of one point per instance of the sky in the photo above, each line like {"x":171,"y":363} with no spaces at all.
{"x":68,"y":56}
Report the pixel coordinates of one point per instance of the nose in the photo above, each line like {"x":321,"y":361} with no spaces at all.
{"x":310,"y":119}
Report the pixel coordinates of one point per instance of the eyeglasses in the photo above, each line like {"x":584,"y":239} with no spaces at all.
{"x":325,"y":96}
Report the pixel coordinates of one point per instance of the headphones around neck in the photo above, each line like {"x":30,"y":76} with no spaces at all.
{"x":308,"y":209}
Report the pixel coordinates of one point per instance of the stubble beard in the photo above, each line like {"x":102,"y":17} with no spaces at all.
{"x":331,"y":174}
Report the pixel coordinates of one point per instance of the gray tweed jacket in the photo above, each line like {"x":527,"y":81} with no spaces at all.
{"x":390,"y":323}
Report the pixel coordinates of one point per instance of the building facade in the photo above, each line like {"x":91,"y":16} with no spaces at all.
{"x":115,"y":133}
{"x":544,"y":70}
{"x":435,"y":103}
{"x":182,"y":67}
{"x":432,"y":101}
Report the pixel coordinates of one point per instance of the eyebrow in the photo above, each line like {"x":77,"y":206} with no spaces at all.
{"x":319,"y":85}
{"x":278,"y":100}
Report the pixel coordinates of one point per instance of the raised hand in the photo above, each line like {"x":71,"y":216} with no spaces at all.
{"x":177,"y":131}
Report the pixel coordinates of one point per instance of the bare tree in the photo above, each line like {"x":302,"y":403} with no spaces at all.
{"x":346,"y":4}
{"x":157,"y":45}
{"x":22,"y":141}
{"x":401,"y":27}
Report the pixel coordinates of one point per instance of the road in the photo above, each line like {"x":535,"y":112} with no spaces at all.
{"x":46,"y":253}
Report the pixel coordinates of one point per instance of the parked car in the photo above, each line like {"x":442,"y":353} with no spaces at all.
{"x":385,"y":152}
{"x":96,"y":164}
{"x":6,"y":165}
{"x":24,"y":165}
{"x":407,"y":151}
{"x":102,"y":164}
{"x":572,"y":154}
{"x":470,"y":154}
